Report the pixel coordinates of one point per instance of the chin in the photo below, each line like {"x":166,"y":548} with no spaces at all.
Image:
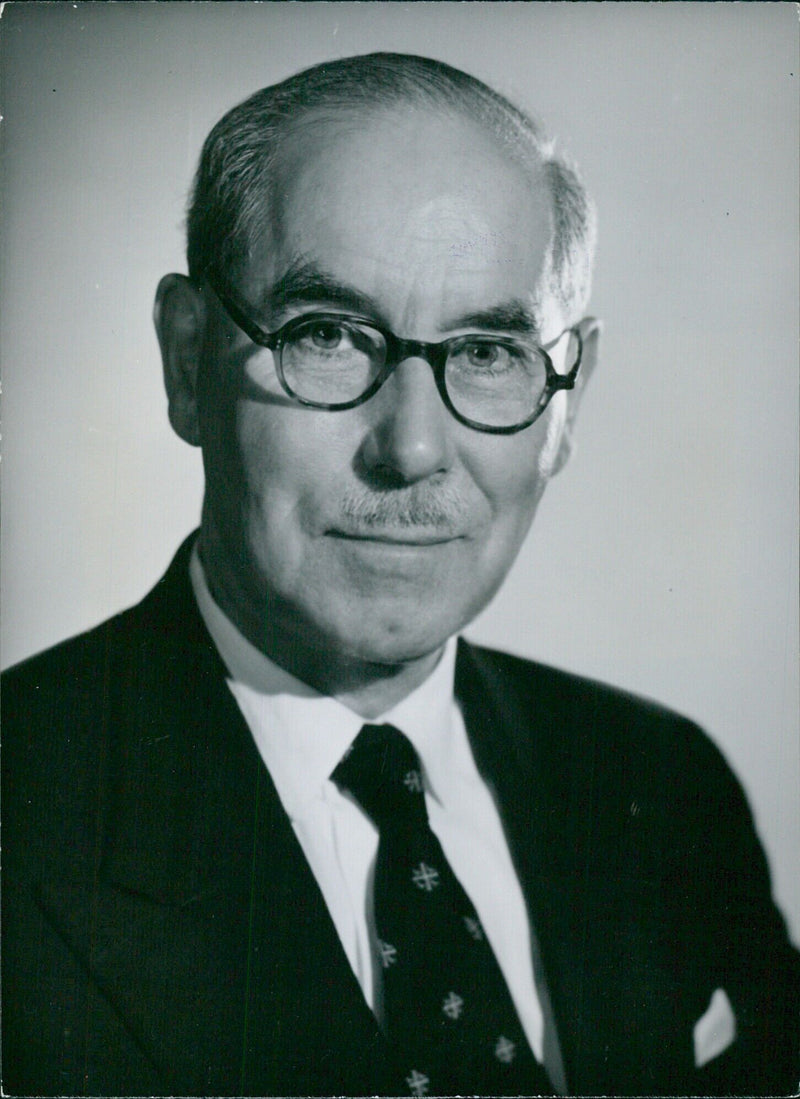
{"x":388,"y":641}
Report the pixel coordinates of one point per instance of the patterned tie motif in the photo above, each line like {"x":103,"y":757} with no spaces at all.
{"x":446,"y":1009}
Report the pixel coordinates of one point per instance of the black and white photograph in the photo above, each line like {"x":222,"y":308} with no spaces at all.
{"x":339,"y":758}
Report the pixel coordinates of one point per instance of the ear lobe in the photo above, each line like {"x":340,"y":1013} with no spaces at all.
{"x":590,"y":329}
{"x":179,"y":315}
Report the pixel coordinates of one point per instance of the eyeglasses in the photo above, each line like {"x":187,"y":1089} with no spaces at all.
{"x":336,"y":361}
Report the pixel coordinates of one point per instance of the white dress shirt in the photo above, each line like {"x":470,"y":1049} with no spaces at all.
{"x":301,"y":736}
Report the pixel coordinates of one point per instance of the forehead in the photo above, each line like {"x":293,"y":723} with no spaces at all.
{"x":425,"y":212}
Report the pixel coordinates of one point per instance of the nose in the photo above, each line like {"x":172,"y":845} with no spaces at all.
{"x":409,"y":439}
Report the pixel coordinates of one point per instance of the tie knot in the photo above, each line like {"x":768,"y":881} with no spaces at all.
{"x":382,"y":771}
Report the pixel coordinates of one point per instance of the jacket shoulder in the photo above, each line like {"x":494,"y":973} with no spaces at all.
{"x":542,"y":692}
{"x":86,"y":669}
{"x":583,"y":733}
{"x":108,"y":691}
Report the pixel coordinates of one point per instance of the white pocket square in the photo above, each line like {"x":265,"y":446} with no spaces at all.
{"x":715,"y":1030}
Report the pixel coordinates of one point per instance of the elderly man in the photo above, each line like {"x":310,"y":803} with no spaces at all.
{"x":275,"y":831}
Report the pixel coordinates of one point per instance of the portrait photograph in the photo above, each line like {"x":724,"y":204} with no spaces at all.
{"x":298,"y":304}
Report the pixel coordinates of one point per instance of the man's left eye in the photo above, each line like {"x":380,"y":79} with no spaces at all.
{"x":326,"y":334}
{"x":482,"y":356}
{"x":483,"y":353}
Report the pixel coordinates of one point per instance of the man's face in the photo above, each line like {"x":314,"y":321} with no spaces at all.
{"x":375,"y":533}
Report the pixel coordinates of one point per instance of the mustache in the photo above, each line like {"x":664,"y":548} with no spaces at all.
{"x":442,"y":508}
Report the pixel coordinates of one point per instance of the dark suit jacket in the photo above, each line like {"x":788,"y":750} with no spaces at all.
{"x":163,"y":933}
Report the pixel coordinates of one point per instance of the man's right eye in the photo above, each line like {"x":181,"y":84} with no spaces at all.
{"x":326,"y":335}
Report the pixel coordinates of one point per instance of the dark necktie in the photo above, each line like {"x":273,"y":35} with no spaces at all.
{"x":447,"y":1013}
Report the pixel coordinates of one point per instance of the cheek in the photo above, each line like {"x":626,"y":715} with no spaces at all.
{"x":291,"y":467}
{"x":271,"y":470}
{"x":514,"y":470}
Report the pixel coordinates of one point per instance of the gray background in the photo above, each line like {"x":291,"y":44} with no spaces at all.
{"x":664,"y":558}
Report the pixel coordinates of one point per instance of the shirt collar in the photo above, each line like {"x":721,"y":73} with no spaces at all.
{"x":302,"y":734}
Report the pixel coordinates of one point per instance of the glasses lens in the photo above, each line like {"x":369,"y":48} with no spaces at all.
{"x":331,"y":360}
{"x":497,"y":383}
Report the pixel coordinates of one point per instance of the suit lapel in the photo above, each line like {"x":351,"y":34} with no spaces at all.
{"x":499,"y":730}
{"x":199,"y":853}
{"x":598,"y":912}
{"x":307,"y":1018}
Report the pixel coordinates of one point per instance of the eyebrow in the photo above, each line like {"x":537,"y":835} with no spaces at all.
{"x":306,"y":283}
{"x":514,"y":316}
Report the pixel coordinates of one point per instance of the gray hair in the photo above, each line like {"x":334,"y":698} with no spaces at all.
{"x":226,"y":208}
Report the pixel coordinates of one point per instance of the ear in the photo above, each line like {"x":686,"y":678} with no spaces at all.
{"x":590,"y":329}
{"x":179,"y":315}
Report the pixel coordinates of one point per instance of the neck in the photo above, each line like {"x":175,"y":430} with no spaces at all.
{"x":372,"y":689}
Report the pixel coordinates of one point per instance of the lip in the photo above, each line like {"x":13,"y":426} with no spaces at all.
{"x":415,"y":540}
